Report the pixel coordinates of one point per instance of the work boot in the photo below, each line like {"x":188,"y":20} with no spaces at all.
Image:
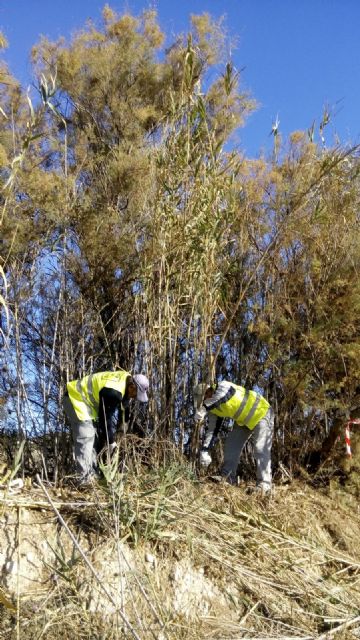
{"x":87,"y":482}
{"x":262,"y":489}
{"x":220,"y":479}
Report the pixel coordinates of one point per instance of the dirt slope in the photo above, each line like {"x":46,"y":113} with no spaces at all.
{"x":160,"y":555}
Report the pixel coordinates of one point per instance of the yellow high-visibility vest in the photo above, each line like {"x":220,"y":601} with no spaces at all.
{"x":245,"y":407}
{"x":84,"y":394}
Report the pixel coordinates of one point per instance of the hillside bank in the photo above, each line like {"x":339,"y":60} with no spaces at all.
{"x":160,"y":555}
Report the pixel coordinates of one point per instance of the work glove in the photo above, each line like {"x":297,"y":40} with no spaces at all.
{"x":205,"y":458}
{"x":200,"y":414}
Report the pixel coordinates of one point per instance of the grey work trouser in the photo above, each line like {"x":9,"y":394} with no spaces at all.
{"x":262,"y":436}
{"x":83,"y":434}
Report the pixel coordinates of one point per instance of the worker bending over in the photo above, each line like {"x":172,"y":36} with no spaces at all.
{"x":252,"y":416}
{"x":102,"y":398}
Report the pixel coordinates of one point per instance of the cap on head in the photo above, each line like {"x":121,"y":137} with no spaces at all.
{"x":142,"y":384}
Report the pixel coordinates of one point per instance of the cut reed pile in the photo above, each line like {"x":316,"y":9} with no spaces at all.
{"x":171,"y":557}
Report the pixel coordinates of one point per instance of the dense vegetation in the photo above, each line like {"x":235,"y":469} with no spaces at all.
{"x":135,"y":233}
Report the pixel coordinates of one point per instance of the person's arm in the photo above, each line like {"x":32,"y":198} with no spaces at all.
{"x":222,"y":393}
{"x":200,"y":415}
{"x":110,"y":414}
{"x":210,"y":431}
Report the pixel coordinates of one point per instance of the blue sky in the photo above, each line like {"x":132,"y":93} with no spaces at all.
{"x":298,"y":56}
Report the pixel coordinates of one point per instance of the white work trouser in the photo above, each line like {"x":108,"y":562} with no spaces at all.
{"x":83,"y":434}
{"x":262,"y":436}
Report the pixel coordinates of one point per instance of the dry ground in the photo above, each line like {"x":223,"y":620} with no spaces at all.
{"x":160,"y":555}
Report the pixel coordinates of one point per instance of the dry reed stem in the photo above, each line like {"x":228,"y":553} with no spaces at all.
{"x":88,"y":563}
{"x":275,"y":563}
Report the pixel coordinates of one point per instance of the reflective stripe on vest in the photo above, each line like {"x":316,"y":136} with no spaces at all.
{"x":90,"y":397}
{"x":251,"y":413}
{"x":247,"y":418}
{"x":242,"y":405}
{"x":84,"y":393}
{"x":246,"y":407}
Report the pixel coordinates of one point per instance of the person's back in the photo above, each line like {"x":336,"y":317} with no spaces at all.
{"x":85,"y":392}
{"x":229,"y":400}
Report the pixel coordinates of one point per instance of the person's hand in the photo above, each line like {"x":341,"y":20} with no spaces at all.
{"x":205,"y":458}
{"x":200,"y":414}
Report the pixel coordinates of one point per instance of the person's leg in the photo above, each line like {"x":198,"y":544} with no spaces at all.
{"x":83,"y":433}
{"x":263,"y":436}
{"x":234,"y":445}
